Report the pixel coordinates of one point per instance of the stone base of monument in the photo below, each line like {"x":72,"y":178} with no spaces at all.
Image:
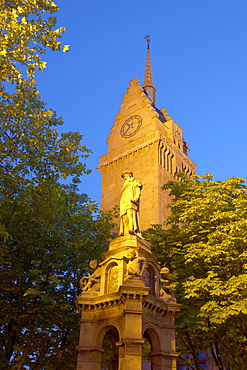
{"x":128,"y":309}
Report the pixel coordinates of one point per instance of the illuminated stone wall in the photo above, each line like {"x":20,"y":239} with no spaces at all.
{"x":149,"y":143}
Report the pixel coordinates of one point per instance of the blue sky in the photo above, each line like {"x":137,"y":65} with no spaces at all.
{"x":199,"y":59}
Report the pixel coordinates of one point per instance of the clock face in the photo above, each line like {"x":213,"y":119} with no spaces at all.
{"x":131,"y":126}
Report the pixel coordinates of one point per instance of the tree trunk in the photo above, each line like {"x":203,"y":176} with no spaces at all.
{"x":28,"y":344}
{"x":216,"y":356}
{"x":193,"y":352}
{"x":11,"y":341}
{"x":24,"y":356}
{"x":61,"y":349}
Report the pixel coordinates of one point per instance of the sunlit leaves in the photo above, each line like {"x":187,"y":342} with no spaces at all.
{"x":206,"y":249}
{"x":66,"y":48}
{"x":48,"y":230}
{"x":27,"y":29}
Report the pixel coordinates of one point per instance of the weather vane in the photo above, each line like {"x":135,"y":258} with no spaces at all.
{"x":147,"y":38}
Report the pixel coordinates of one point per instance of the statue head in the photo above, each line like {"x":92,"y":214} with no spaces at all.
{"x":165,"y":270}
{"x":128,"y":173}
{"x":131,"y":253}
{"x":93,"y":264}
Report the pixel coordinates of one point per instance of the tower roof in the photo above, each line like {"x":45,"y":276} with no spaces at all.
{"x":148,"y":84}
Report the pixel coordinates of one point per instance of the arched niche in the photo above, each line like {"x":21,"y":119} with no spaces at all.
{"x":112,"y":278}
{"x":149,"y":279}
{"x":107,"y":339}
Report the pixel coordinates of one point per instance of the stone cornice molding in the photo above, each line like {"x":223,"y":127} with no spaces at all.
{"x":129,"y":148}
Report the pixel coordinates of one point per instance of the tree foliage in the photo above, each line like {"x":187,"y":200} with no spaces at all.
{"x":48,"y":230}
{"x":206,"y":248}
{"x":48,"y":233}
{"x":27,"y":29}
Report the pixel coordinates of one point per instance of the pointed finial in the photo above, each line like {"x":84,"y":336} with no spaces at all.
{"x":147,"y":38}
{"x":148,"y":77}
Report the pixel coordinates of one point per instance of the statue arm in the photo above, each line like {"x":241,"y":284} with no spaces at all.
{"x":97,"y":273}
{"x":138,"y":188}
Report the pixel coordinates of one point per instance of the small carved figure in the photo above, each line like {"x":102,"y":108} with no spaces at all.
{"x":129,"y":205}
{"x":91,"y":282}
{"x":165,"y":289}
{"x":136,"y":265}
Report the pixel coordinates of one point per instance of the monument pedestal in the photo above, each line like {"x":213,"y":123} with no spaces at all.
{"x":127,"y":311}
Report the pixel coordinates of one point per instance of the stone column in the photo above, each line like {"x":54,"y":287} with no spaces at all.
{"x":89,"y":354}
{"x":130,"y":351}
{"x":163,"y":361}
{"x":130,"y":354}
{"x":89,"y":358}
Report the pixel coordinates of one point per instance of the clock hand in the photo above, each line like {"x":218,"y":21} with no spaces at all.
{"x":130,"y":126}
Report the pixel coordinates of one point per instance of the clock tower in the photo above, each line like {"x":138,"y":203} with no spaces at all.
{"x":147,"y":142}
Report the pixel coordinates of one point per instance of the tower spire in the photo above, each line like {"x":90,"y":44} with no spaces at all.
{"x":148,"y":85}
